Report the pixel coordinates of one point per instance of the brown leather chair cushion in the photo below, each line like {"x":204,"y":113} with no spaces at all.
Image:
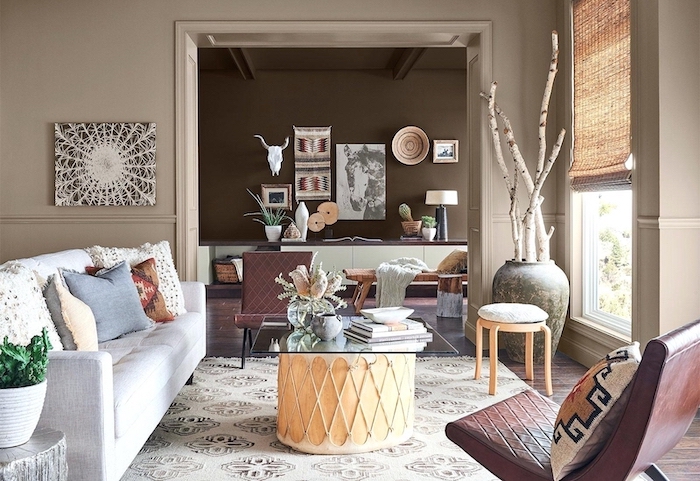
{"x":510,"y":436}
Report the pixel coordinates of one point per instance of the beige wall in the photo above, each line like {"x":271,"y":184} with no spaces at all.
{"x":114,"y":61}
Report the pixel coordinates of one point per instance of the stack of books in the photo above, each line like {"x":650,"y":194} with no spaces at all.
{"x":405,"y":335}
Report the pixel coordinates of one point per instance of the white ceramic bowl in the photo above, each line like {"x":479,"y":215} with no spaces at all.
{"x":384,"y":315}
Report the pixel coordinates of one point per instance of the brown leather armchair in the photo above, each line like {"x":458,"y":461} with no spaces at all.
{"x":512,"y":438}
{"x":259,"y":291}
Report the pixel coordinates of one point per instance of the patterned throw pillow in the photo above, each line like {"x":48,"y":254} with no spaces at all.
{"x":590,"y":412}
{"x":146,"y":281}
{"x":23,"y":311}
{"x":169,"y":282}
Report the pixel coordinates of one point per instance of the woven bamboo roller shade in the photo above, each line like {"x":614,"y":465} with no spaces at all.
{"x":602,"y":131}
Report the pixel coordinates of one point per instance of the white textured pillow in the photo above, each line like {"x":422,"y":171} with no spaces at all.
{"x":23,"y":311}
{"x":167,"y":275}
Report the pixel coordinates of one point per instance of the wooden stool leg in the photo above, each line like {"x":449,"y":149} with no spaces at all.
{"x":547,"y":359}
{"x":493,"y":359}
{"x":479,"y":348}
{"x":529,"y":368}
{"x":364,"y":287}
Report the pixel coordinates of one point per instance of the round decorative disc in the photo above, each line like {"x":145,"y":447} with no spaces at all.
{"x":316,"y":222}
{"x":410,"y":145}
{"x":329,"y":211}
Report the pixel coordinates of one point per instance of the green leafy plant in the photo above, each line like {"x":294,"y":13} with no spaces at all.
{"x":429,"y":221}
{"x":22,"y":366}
{"x":268,"y":215}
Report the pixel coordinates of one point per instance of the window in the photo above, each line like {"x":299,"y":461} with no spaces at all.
{"x":607,"y":259}
{"x":601,"y":167}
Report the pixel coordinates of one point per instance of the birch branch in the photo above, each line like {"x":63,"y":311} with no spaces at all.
{"x":495,"y":137}
{"x":520,"y":165}
{"x":545,"y":102}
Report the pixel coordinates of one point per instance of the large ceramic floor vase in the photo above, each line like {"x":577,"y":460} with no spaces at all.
{"x":543,"y":284}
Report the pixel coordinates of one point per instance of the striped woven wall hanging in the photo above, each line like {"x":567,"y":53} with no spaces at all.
{"x":312,"y":163}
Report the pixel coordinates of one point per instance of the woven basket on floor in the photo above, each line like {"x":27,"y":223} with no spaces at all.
{"x":225,"y":271}
{"x":411,"y":227}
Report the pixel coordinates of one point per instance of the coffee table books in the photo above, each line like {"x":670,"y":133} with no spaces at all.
{"x":367,"y":332}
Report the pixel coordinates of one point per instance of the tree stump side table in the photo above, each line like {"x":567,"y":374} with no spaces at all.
{"x":42,"y":458}
{"x":450,"y":299}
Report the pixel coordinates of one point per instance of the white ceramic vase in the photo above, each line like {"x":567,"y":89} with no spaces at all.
{"x":429,"y":233}
{"x":301,"y":218}
{"x":20,"y":409}
{"x":273,"y":232}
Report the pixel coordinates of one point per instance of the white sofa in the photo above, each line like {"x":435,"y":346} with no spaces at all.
{"x":108,"y":402}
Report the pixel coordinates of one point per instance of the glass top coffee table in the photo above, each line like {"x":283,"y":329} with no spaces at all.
{"x":338,"y":397}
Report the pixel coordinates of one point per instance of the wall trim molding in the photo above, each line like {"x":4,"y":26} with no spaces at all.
{"x":658,"y":223}
{"x":89,"y":219}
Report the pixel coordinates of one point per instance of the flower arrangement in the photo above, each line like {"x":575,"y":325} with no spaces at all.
{"x":313,"y":285}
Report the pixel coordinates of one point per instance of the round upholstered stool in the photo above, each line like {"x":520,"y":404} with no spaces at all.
{"x":513,"y":317}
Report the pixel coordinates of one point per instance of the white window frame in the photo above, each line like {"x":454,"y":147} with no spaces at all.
{"x":589,"y":268}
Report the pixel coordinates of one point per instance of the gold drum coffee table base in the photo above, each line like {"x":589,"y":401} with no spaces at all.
{"x":345,"y":403}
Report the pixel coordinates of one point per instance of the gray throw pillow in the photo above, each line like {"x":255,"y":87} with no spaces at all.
{"x":113,"y":298}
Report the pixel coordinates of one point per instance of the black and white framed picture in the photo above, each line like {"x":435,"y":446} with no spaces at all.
{"x":361,"y":181}
{"x":276,"y":195}
{"x":445,"y":151}
{"x":105,"y":164}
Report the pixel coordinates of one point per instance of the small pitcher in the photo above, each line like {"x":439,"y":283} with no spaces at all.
{"x":327,"y":326}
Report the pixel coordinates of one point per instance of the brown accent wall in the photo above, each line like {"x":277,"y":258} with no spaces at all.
{"x":362,"y":106}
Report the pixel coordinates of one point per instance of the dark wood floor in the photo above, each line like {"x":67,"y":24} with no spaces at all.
{"x":681,"y":464}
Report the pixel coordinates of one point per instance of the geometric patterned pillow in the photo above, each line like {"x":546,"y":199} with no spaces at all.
{"x":145,"y":278}
{"x":588,"y":415}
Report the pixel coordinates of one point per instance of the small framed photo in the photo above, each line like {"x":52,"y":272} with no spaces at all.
{"x":276,"y":195}
{"x":445,"y":151}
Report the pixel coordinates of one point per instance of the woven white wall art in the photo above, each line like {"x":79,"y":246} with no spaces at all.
{"x":105,"y":164}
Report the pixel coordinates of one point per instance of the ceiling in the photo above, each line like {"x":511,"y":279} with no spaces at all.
{"x":400,"y":60}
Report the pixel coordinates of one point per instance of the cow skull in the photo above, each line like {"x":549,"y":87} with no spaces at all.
{"x":274,"y":154}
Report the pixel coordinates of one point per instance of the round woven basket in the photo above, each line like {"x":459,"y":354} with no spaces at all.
{"x":411,"y":227}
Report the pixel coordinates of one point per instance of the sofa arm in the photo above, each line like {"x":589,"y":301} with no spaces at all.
{"x":80,"y":403}
{"x":195,"y":296}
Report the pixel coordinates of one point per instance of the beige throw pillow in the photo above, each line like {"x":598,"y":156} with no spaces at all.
{"x":74,"y":319}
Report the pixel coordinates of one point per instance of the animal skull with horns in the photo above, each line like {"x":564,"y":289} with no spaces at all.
{"x":274,"y":154}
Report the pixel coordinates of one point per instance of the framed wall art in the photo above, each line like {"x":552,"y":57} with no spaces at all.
{"x":445,"y":151}
{"x":276,"y":195}
{"x":105,"y":164}
{"x":361,"y":181}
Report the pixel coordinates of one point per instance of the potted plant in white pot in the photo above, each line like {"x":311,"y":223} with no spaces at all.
{"x":22,"y":388}
{"x":270,"y":218}
{"x":531,"y":277}
{"x":429,"y":227}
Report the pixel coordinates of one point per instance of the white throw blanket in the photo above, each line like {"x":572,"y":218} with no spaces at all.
{"x":393,"y":277}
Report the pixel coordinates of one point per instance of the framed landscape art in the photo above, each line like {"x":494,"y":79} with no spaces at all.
{"x":276,"y":195}
{"x":445,"y":151}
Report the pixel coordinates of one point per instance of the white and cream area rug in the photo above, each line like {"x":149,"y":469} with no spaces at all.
{"x":223,"y":427}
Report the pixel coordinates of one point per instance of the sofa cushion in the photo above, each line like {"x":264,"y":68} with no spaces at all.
{"x":73,"y":319}
{"x":23,"y":311}
{"x":169,"y":281}
{"x":144,"y":361}
{"x":113,"y":298}
{"x":591,"y":411}
{"x":46,"y":265}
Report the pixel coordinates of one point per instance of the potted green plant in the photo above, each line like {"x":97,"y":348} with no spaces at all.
{"x":22,"y":388}
{"x":269,"y":217}
{"x":429,"y":227}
